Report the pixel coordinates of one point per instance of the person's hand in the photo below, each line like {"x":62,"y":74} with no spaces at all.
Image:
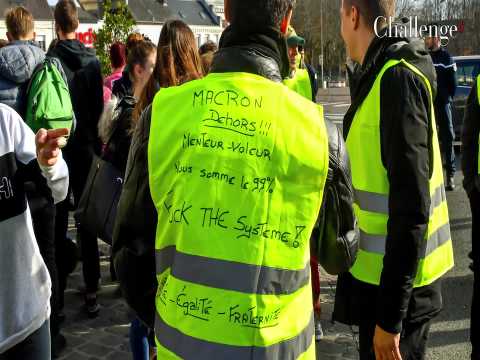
{"x":386,"y":345}
{"x":48,"y":145}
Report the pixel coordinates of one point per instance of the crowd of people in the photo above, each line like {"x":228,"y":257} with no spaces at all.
{"x":233,"y":188}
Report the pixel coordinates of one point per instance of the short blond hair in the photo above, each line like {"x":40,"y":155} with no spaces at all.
{"x":19,"y":22}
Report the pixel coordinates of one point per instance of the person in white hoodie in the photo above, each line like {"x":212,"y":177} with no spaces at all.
{"x":25,"y":285}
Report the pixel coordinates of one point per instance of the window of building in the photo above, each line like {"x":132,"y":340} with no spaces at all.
{"x":42,"y":41}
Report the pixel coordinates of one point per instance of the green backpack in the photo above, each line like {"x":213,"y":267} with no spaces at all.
{"x":49,"y":105}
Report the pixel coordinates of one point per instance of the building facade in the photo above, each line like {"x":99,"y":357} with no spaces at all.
{"x":218,"y":8}
{"x":150,"y":15}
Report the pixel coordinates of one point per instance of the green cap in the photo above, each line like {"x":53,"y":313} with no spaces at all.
{"x":293,"y":39}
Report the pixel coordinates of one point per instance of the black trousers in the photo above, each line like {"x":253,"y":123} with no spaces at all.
{"x":413,"y":343}
{"x":87,"y":240}
{"x":34,"y":347}
{"x":90,"y":259}
{"x":475,"y":255}
{"x":62,"y":253}
{"x":446,"y":135}
{"x":43,"y":219}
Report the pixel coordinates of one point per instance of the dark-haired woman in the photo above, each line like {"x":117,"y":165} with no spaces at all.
{"x":118,"y":61}
{"x":123,"y":86}
{"x":115,"y":129}
{"x":134,"y":235}
{"x":116,"y":124}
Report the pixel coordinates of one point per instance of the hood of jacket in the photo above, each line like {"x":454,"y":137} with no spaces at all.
{"x":414,"y":52}
{"x":261,"y":51}
{"x":18,"y":61}
{"x":73,"y":54}
{"x":381,"y":50}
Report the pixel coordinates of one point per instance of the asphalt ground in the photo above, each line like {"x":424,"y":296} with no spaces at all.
{"x":449,"y":336}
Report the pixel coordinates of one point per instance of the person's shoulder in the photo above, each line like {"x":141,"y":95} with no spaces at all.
{"x":445,"y":56}
{"x":403,"y":80}
{"x":9,"y":117}
{"x":6,"y":110}
{"x":126,"y":105}
{"x":22,"y":53}
{"x":399,"y":74}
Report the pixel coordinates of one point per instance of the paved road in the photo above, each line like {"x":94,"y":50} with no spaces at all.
{"x":450,"y":331}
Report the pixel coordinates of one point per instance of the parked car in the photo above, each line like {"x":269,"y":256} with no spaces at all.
{"x":468,"y":68}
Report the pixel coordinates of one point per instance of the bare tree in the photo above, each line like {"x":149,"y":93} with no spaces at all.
{"x":406,"y":8}
{"x":318,"y":21}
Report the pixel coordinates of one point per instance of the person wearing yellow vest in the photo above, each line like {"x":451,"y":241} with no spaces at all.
{"x":302,"y":82}
{"x":301,"y":78}
{"x":393,"y":290}
{"x":238,"y":167}
{"x":471,"y":183}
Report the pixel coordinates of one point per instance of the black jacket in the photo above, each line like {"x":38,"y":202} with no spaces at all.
{"x":446,"y":79}
{"x":134,"y":235}
{"x":313,"y":81}
{"x":118,"y":127}
{"x":86,"y":90}
{"x":123,"y":86}
{"x":470,"y":136}
{"x":406,"y":154}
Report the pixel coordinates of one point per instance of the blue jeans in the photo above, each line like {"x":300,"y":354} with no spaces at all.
{"x":140,"y":341}
{"x":34,"y":347}
{"x":446,"y":135}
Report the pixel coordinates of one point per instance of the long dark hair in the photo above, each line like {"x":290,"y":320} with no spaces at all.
{"x":178,"y":61}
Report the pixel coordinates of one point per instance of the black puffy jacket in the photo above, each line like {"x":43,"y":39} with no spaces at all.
{"x":134,"y":235}
{"x":116,"y":132}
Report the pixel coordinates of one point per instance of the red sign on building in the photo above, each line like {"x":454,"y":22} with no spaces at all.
{"x":87,"y":37}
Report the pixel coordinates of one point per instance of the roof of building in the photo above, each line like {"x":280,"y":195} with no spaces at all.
{"x":192,"y":12}
{"x":85,"y":16}
{"x":39,"y":8}
{"x":216,"y":2}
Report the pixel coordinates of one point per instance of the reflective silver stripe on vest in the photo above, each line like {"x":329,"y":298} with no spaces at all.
{"x":372,"y":202}
{"x":164,"y":258}
{"x":376,"y":243}
{"x":438,"y":197}
{"x":378,"y":203}
{"x":229,"y":275}
{"x":437,"y":239}
{"x":187,"y":347}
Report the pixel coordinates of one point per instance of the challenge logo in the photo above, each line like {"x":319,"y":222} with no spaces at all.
{"x":410,"y":28}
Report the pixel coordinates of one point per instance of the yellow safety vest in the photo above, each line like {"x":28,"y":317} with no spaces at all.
{"x":300,"y":83}
{"x":371,"y":188}
{"x":237,"y":168}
